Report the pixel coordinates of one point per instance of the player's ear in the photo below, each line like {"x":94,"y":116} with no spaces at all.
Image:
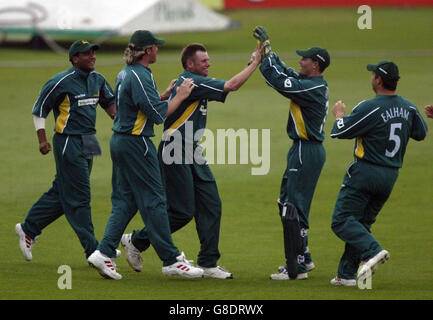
{"x":189,"y":63}
{"x":379,"y":81}
{"x":74,"y":60}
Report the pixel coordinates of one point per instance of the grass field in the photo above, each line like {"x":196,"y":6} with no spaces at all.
{"x":251,"y":233}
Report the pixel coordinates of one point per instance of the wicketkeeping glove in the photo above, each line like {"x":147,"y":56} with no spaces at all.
{"x":261,"y":34}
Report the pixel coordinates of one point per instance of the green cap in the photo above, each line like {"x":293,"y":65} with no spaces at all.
{"x":385,"y":69}
{"x":81,"y":46}
{"x":316,"y":54}
{"x":144,"y":38}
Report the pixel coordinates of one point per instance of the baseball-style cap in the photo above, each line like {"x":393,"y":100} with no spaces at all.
{"x":318,"y":54}
{"x":144,"y":38}
{"x":81,"y":46}
{"x":386,"y":69}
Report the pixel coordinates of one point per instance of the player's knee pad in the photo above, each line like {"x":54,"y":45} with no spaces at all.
{"x":289,"y":214}
{"x":293,"y":242}
{"x":280,"y":207}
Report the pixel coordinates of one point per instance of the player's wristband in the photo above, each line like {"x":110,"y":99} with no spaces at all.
{"x":39,"y":122}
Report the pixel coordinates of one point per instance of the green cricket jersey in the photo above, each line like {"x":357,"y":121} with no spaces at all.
{"x":308,"y":98}
{"x":138,"y":102}
{"x":194,"y":108}
{"x":382,"y":127}
{"x":73,"y":96}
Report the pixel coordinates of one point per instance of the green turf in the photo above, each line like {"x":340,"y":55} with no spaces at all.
{"x":251,"y":233}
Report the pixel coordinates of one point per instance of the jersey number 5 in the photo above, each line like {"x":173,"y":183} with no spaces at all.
{"x":394,"y":137}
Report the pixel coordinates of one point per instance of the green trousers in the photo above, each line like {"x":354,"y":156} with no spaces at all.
{"x":69,"y":194}
{"x":305,"y":161}
{"x":137,"y":185}
{"x":365,"y":189}
{"x":191,"y":193}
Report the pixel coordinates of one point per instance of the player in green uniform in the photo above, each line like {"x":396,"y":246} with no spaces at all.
{"x":73,"y":96}
{"x":190,"y":185}
{"x":136,"y":180}
{"x":308,"y":94}
{"x":382,"y":127}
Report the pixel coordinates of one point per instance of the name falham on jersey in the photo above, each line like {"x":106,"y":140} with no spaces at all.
{"x":392,"y":113}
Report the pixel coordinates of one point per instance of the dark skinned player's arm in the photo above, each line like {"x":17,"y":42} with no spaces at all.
{"x":44,"y":145}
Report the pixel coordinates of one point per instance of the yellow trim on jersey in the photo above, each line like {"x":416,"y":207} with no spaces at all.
{"x":63,"y":117}
{"x":185,"y":116}
{"x":359,"y":151}
{"x":139,"y":124}
{"x":295,"y":110}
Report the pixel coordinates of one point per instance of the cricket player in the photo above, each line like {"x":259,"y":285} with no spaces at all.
{"x":190,"y":185}
{"x":308,"y":94}
{"x":73,"y":96}
{"x":136,"y":180}
{"x":382,"y":127}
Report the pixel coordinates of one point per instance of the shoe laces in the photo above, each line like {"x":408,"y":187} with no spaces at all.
{"x":222,"y":269}
{"x":284,"y":271}
{"x":184,"y":260}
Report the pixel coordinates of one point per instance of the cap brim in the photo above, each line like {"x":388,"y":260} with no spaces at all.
{"x":302,"y":53}
{"x":371,"y":67}
{"x":159,"y":41}
{"x":88,"y":47}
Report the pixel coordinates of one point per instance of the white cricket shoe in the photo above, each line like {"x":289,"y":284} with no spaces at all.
{"x":310,"y":266}
{"x":118,"y":254}
{"x":284,"y":275}
{"x":182,"y":268}
{"x":216,"y":273}
{"x":26,"y":243}
{"x":370,"y":266}
{"x":105,"y":265}
{"x":133,"y":255}
{"x":343,"y":282}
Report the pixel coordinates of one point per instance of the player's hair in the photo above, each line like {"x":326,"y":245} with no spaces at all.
{"x":133,"y":53}
{"x":321,"y":68}
{"x":389,"y":84}
{"x":189,"y":52}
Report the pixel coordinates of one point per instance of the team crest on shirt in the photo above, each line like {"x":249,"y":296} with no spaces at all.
{"x":203,"y":109}
{"x":287,"y":83}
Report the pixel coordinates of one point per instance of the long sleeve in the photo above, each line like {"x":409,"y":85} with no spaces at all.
{"x":106,"y":95}
{"x":49,"y":95}
{"x":419,"y":127}
{"x":355,"y":124}
{"x":147,"y":98}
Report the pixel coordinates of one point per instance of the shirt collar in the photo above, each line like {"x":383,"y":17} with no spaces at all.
{"x":80,"y":72}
